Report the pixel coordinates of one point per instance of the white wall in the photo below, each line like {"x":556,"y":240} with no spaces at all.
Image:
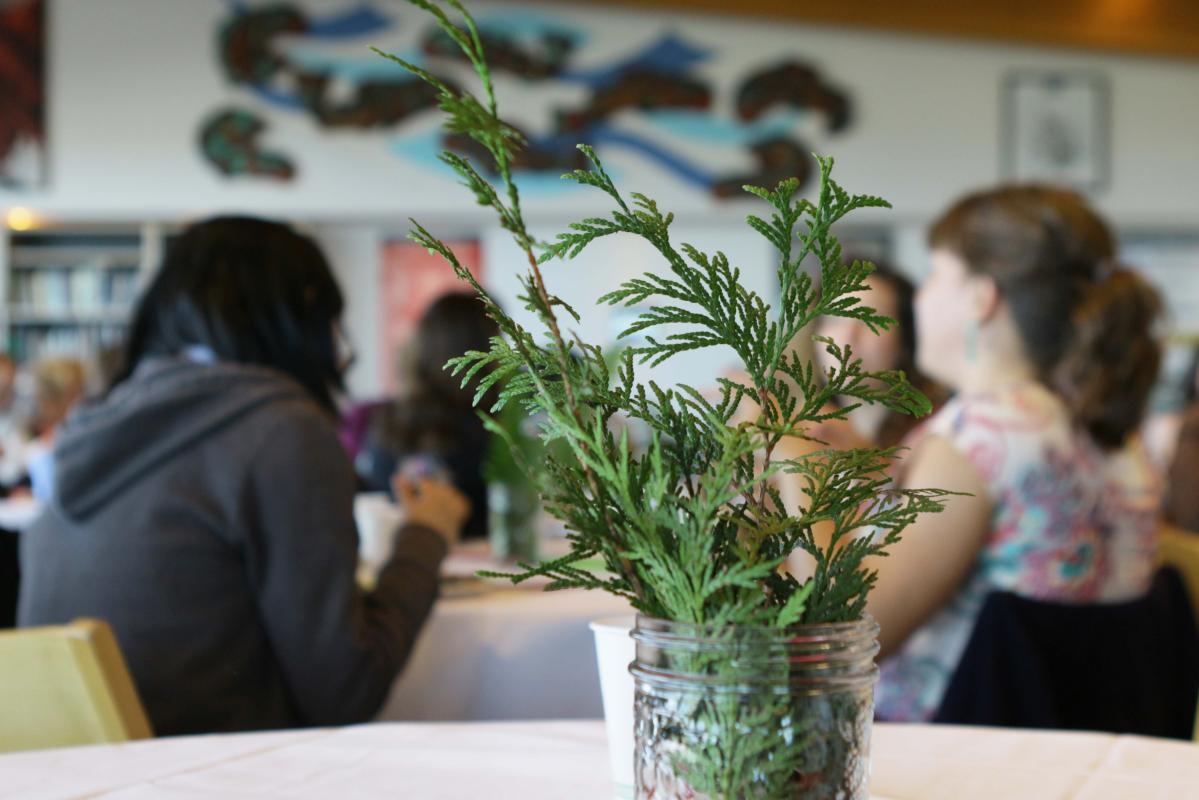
{"x":612,"y":260}
{"x":353,"y":252}
{"x":130,"y":81}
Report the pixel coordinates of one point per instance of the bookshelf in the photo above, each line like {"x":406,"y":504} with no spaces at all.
{"x":69,"y":290}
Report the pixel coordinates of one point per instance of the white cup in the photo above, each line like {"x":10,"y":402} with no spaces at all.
{"x":614,"y":651}
{"x":377,"y":519}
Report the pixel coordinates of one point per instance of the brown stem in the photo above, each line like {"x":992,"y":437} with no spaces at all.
{"x":572,"y":405}
{"x":768,"y":452}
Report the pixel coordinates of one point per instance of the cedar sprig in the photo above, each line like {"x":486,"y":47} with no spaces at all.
{"x":690,"y":527}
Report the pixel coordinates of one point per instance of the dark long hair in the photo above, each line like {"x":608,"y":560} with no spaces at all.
{"x":896,"y":425}
{"x":429,"y":417}
{"x":1086,"y":325}
{"x":250,"y":290}
{"x":905,"y":316}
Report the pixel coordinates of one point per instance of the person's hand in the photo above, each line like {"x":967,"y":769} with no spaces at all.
{"x":433,"y":504}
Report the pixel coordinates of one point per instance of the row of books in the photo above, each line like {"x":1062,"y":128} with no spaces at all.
{"x":78,"y":290}
{"x":28,"y":344}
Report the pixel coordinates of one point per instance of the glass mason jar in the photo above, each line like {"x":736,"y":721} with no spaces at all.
{"x":745,"y":712}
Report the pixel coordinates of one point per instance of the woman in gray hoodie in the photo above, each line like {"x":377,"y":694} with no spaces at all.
{"x":204,"y":506}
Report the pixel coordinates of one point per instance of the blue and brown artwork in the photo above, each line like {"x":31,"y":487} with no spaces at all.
{"x":229,"y":139}
{"x":660,"y":85}
{"x":22,"y":93}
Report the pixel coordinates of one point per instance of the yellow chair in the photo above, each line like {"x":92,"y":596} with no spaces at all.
{"x":66,"y":685}
{"x":1180,"y":549}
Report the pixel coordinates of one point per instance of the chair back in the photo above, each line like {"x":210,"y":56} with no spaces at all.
{"x":1179,"y":549}
{"x":1128,"y":667}
{"x":66,"y":685}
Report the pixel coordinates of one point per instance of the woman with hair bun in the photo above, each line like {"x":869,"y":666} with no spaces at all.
{"x":1050,"y":352}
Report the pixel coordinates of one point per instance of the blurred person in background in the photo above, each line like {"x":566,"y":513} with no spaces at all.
{"x":58,"y":386}
{"x":14,"y":426}
{"x":434,"y":428}
{"x":8,"y":390}
{"x":203,"y":506}
{"x":1050,"y":352}
{"x":892,"y":295}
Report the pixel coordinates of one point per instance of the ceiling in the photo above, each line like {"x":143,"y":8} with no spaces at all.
{"x":1166,"y":28}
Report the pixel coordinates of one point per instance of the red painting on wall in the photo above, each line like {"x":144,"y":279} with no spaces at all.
{"x":23,"y":93}
{"x":410,"y":279}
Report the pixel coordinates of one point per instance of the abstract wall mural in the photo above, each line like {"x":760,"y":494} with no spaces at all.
{"x":23,"y":97}
{"x":660,"y":86}
{"x":230,"y":141}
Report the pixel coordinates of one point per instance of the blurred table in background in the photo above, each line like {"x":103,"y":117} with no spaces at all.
{"x":491,"y":651}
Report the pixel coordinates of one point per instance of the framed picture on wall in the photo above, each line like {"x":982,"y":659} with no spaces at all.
{"x":410,"y":279}
{"x":22,"y":94}
{"x":1056,"y":128}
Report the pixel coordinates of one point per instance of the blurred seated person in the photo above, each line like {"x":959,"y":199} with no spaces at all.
{"x":14,"y":426}
{"x":203,"y":505}
{"x":8,"y":387}
{"x":891,"y":294}
{"x":434,"y":428}
{"x":58,"y":385}
{"x":1182,"y":486}
{"x":1050,"y":352}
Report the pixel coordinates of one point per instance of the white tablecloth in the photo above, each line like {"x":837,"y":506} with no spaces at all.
{"x":508,"y":654}
{"x":566,"y":761}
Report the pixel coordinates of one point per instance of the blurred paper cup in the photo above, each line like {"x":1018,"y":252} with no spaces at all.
{"x":614,"y":652}
{"x":377,"y":519}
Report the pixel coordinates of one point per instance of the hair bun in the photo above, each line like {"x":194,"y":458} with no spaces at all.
{"x":1112,"y":364}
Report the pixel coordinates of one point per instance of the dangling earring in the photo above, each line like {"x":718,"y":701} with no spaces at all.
{"x":971,"y":349}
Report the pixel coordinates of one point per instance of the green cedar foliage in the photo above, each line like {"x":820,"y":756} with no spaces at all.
{"x":691,"y":529}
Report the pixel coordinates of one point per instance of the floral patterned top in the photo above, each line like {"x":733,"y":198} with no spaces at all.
{"x":1069,"y":522}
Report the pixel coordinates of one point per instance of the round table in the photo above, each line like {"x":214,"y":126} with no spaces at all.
{"x":556,"y":760}
{"x":499,"y":652}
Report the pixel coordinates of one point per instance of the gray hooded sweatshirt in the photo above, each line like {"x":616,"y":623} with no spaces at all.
{"x":206,"y":512}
